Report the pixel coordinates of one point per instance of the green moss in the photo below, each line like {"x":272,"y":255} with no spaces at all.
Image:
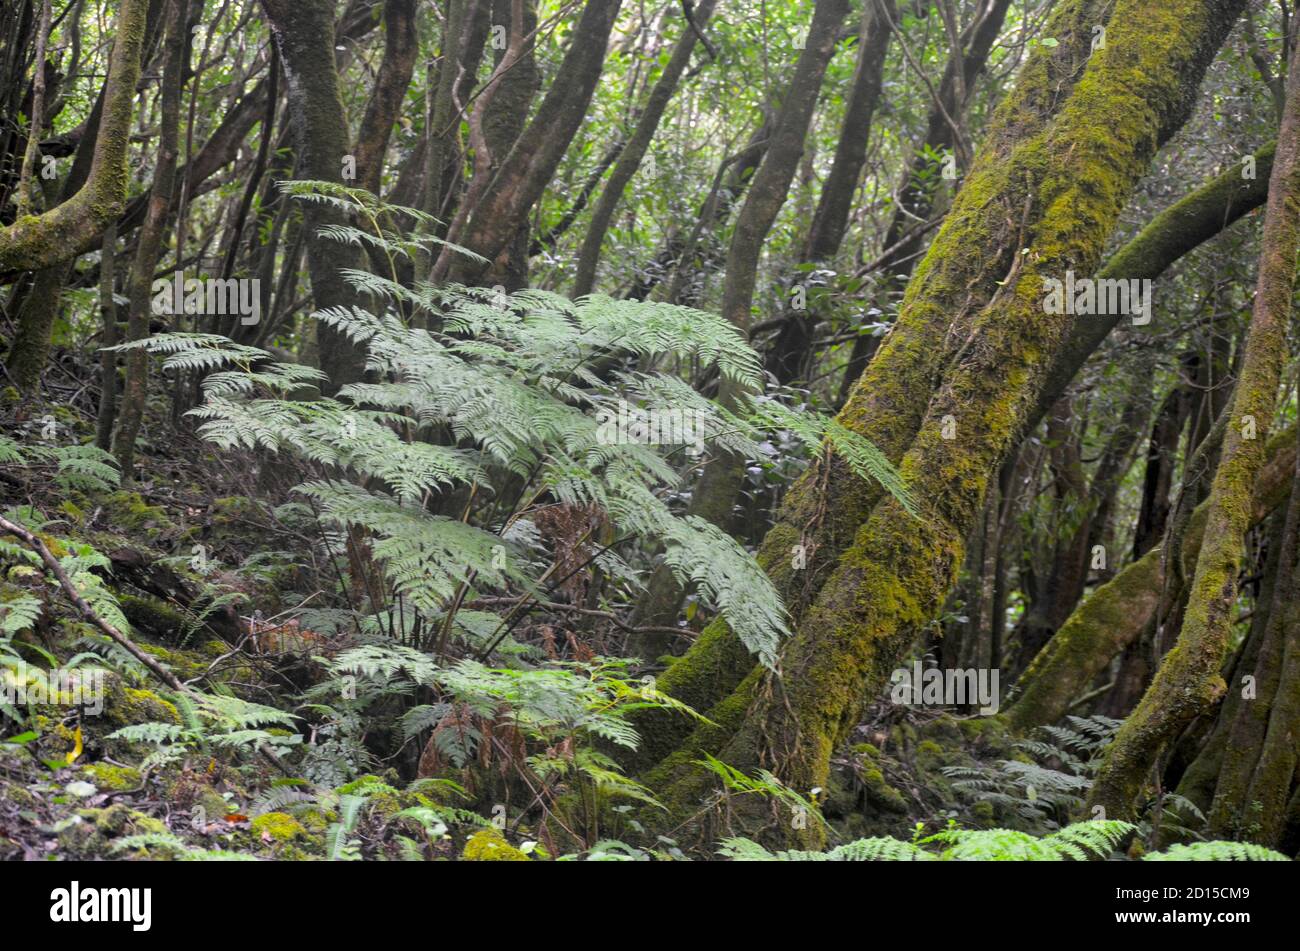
{"x":129,"y":512}
{"x":876,"y":790}
{"x":489,"y":845}
{"x":280,"y":827}
{"x":124,"y":705}
{"x":92,"y":832}
{"x":114,"y":778}
{"x":153,"y":616}
{"x":316,"y":819}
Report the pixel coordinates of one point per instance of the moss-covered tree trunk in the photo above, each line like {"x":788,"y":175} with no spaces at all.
{"x":149,"y":246}
{"x":1033,"y":208}
{"x":98,"y":154}
{"x":967,"y":263}
{"x":1115,"y":615}
{"x":391,"y":82}
{"x":1188,"y":679}
{"x":38,"y":241}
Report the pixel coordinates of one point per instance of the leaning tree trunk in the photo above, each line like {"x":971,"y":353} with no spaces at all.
{"x":1055,"y":199}
{"x":790,"y":352}
{"x":50,"y":242}
{"x":1116,"y":614}
{"x":967,"y":262}
{"x":1188,"y":680}
{"x":74,"y":226}
{"x":638,"y":144}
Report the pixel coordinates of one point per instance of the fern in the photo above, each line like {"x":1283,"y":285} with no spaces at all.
{"x":19,"y":614}
{"x":1217,"y":852}
{"x":1078,"y":842}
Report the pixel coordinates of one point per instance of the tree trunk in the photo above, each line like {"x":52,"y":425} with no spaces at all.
{"x":149,"y":246}
{"x":635,"y":150}
{"x":303,"y":31}
{"x":1189,"y":679}
{"x":40,"y":241}
{"x":1067,"y":190}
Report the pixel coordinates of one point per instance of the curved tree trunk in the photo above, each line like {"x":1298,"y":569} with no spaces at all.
{"x":1188,"y":679}
{"x":62,"y":232}
{"x":1068,"y":190}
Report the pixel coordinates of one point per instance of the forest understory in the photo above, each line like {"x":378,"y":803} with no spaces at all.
{"x":532,"y":430}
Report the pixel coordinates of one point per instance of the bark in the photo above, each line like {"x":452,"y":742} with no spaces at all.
{"x":638,"y":144}
{"x":969,"y":257}
{"x":149,"y":246}
{"x":917,"y":191}
{"x":1188,"y":679}
{"x":1275,"y":772}
{"x":720,"y":482}
{"x":438,"y":135}
{"x":790,"y":351}
{"x":385,"y":105}
{"x":1069,"y":184}
{"x":1232,"y":811}
{"x":107,"y":358}
{"x":1202,"y":214}
{"x":1115,"y":615}
{"x":303,"y":31}
{"x":37,"y":117}
{"x":526,"y":171}
{"x":42,"y":240}
{"x":29,"y":351}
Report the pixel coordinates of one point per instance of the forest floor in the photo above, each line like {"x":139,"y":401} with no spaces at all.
{"x":212,"y":584}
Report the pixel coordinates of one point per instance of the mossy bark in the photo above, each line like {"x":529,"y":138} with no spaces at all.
{"x":1231,"y":813}
{"x":1189,"y":680}
{"x":966,"y":263}
{"x":39,"y":241}
{"x":1046,"y":206}
{"x":149,"y":247}
{"x":1275,"y":773}
{"x":1117,"y":612}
